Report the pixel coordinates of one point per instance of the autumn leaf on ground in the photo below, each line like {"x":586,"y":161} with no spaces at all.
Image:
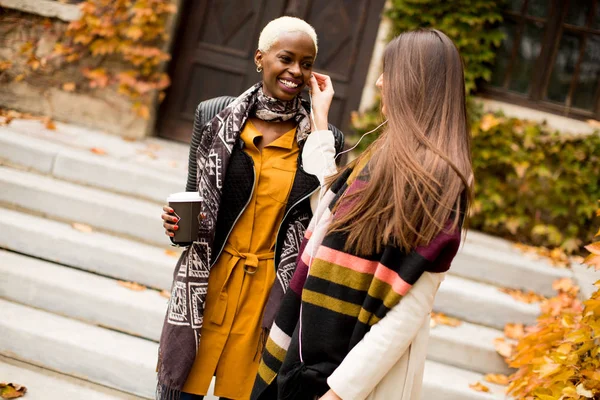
{"x":503,"y":348}
{"x":514,"y":331}
{"x":136,"y":287}
{"x":488,"y":122}
{"x":593,"y":260}
{"x":49,"y":124}
{"x":593,"y":122}
{"x":565,"y":285}
{"x":82,"y":227}
{"x":98,"y":150}
{"x":479,"y":387}
{"x":165,"y":293}
{"x":443,"y":319}
{"x":557,"y":256}
{"x":498,"y":379}
{"x":171,"y":253}
{"x":69,"y":86}
{"x":519,"y":295}
{"x":12,"y":390}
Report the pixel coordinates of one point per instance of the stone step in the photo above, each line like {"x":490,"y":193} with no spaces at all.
{"x":81,"y":295}
{"x":493,"y":260}
{"x":75,"y":203}
{"x":80,"y":165}
{"x":482,"y":304}
{"x":467,"y":346}
{"x":43,"y":384}
{"x":73,"y":348}
{"x":96,"y":252}
{"x":444,"y":382}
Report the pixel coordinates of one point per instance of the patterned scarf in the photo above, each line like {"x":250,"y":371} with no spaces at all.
{"x":335,"y":298}
{"x":181,"y":331}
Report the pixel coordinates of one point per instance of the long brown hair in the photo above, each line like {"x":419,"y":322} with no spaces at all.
{"x":420,"y":166}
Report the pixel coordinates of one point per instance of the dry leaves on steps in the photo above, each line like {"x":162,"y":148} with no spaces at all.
{"x":11,"y":390}
{"x":514,"y":331}
{"x":565,"y":285}
{"x":171,"y":253}
{"x":504,"y":348}
{"x":498,"y":379}
{"x":82,"y":227}
{"x":479,"y":387}
{"x":98,"y":150}
{"x":132,"y":286}
{"x":443,"y":319}
{"x":519,"y":295}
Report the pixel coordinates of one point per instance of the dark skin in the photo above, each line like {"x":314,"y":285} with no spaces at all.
{"x":286,"y":70}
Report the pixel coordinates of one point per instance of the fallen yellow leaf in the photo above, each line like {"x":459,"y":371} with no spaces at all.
{"x":503,"y":348}
{"x":82,"y":227}
{"x":133,"y":286}
{"x":11,"y":390}
{"x":49,"y":124}
{"x":514,"y":331}
{"x":98,"y":150}
{"x":565,"y":285}
{"x":443,"y":319}
{"x":165,"y":293}
{"x":519,"y":295}
{"x":171,"y":253}
{"x":479,"y":387}
{"x":498,"y":379}
{"x":69,"y":86}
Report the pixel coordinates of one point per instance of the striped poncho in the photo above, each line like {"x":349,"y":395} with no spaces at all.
{"x":334,"y":299}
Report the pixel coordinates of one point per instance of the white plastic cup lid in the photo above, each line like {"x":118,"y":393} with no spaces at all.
{"x":184,"y":197}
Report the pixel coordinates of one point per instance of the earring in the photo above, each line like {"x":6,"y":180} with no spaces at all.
{"x":259,"y":69}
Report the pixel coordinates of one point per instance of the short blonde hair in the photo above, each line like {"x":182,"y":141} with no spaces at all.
{"x":271,"y":32}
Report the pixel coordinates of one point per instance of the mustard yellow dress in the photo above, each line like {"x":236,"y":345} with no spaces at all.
{"x":240,"y":281}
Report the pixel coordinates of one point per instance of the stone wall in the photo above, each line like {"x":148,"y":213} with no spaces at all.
{"x":41,"y":91}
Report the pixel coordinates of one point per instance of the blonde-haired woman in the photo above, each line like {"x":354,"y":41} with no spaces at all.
{"x":354,"y":323}
{"x":256,"y":161}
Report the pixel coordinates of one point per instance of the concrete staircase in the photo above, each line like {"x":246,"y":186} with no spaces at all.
{"x":66,"y":321}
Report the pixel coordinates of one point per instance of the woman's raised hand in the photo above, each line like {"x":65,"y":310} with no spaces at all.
{"x":322,"y":95}
{"x":169,"y":221}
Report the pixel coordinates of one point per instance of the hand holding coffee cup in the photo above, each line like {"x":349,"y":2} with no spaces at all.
{"x":180,"y":218}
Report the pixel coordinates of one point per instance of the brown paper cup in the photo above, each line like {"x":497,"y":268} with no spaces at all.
{"x":187,"y":208}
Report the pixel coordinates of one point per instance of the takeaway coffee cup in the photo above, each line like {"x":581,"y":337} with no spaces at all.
{"x":186,"y":206}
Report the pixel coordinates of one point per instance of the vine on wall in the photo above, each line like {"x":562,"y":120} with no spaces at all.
{"x":130,"y":31}
{"x":115,"y":43}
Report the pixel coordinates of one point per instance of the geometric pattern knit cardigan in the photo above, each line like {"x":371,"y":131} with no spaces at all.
{"x":335,"y":297}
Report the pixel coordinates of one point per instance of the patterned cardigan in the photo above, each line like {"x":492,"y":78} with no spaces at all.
{"x":335,"y":298}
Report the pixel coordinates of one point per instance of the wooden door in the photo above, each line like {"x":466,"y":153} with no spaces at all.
{"x":216,"y":42}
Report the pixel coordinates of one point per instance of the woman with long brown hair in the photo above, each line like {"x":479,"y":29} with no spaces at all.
{"x":355,"y":323}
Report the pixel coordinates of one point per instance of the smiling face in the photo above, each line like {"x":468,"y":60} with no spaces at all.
{"x":287,"y":65}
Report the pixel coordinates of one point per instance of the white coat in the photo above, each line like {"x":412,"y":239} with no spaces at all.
{"x":388,"y":363}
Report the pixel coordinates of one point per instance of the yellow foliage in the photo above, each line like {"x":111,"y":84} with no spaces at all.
{"x":133,"y":31}
{"x":559,"y":357}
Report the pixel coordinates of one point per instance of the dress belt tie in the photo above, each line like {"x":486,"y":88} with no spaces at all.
{"x":250,"y":267}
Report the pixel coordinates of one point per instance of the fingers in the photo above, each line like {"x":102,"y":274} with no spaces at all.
{"x":313,"y":84}
{"x":170,"y":221}
{"x":324,"y":81}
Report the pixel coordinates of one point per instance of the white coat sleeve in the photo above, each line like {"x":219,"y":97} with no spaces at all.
{"x":381,"y":348}
{"x":318,"y":158}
